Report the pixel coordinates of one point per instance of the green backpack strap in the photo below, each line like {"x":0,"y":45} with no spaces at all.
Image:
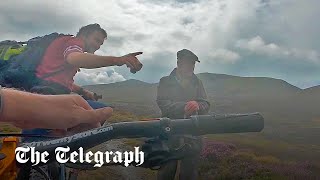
{"x":9,"y":50}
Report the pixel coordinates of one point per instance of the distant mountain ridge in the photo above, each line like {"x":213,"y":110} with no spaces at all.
{"x":216,"y":85}
{"x":286,"y":108}
{"x":228,"y":93}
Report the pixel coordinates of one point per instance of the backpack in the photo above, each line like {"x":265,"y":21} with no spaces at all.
{"x":19,"y":60}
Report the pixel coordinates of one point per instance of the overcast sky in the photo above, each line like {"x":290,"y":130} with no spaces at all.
{"x":264,"y":38}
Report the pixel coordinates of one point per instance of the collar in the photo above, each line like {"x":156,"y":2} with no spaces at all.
{"x":174,"y":75}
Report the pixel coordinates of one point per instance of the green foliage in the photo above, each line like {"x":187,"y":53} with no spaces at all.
{"x":223,"y":161}
{"x":124,"y":116}
{"x":278,"y":148}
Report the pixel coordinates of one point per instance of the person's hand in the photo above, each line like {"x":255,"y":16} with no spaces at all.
{"x":191,"y":107}
{"x":131,"y":61}
{"x":28,"y":111}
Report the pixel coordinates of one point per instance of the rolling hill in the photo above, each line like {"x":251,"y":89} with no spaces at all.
{"x":291,"y":114}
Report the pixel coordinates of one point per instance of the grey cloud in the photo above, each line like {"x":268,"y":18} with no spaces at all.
{"x":187,"y":20}
{"x":186,"y":1}
{"x":292,"y":23}
{"x":25,"y":19}
{"x":218,"y":25}
{"x":116,"y":41}
{"x":159,"y":28}
{"x":297,"y":73}
{"x":109,"y":73}
{"x":88,"y":77}
{"x":140,"y":37}
{"x":180,"y":36}
{"x":223,"y":56}
{"x":259,"y":46}
{"x":169,"y":1}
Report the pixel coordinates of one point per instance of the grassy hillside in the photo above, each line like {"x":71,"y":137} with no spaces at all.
{"x":292,"y":118}
{"x":287,"y":148}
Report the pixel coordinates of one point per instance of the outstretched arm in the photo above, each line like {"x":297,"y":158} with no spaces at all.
{"x":89,"y":61}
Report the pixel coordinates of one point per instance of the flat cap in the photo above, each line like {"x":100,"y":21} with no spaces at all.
{"x":186,"y":54}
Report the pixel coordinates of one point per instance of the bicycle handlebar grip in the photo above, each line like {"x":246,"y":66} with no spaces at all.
{"x":237,"y":123}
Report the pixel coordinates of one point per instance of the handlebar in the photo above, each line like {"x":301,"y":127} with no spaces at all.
{"x":195,"y":125}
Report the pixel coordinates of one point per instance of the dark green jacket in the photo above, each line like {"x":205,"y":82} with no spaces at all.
{"x":172,"y":97}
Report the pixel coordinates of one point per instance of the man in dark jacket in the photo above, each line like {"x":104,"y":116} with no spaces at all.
{"x":180,"y":95}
